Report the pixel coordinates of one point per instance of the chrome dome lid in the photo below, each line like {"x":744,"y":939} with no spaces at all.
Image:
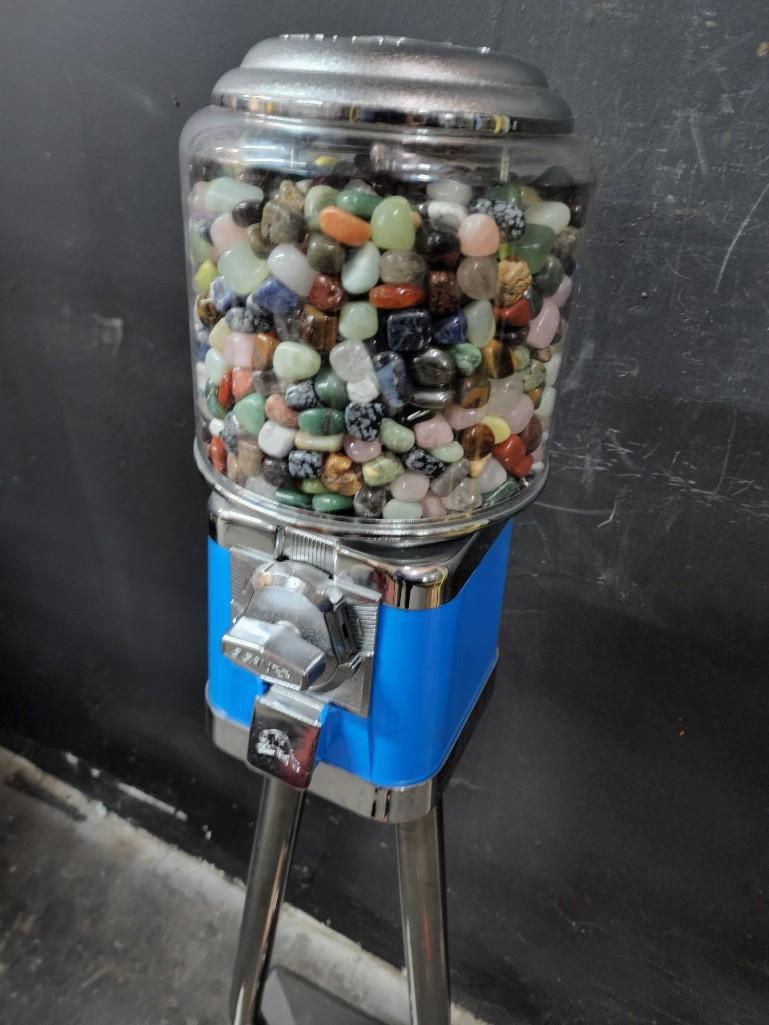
{"x":392,"y":80}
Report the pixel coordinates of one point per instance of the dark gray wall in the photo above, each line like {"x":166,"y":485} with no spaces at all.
{"x":608,"y":829}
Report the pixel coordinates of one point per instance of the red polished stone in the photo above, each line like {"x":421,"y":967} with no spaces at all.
{"x":224,"y":391}
{"x":396,"y":297}
{"x":517,"y":315}
{"x":522,"y":468}
{"x":217,"y":453}
{"x":242,"y":383}
{"x":326,"y":293}
{"x":510,"y":452}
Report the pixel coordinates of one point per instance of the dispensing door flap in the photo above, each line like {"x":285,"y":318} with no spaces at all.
{"x":285,"y":728}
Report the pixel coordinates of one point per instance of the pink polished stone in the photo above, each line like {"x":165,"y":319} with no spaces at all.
{"x":563,"y":292}
{"x":434,"y":432}
{"x":239,"y":349}
{"x":522,"y":412}
{"x":543,"y":327}
{"x":491,"y":476}
{"x":459,"y":417}
{"x":196,"y":201}
{"x":225,"y":233}
{"x":275,"y":409}
{"x":361,"y":451}
{"x":432,"y":507}
{"x":478,"y":235}
{"x":410,"y":487}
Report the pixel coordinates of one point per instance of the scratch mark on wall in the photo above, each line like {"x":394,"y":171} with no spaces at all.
{"x":694,"y":126}
{"x":738,"y":235}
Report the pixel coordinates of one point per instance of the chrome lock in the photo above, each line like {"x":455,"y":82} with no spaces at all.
{"x":311,"y":637}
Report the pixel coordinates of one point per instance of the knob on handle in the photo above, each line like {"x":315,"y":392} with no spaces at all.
{"x":274,"y":651}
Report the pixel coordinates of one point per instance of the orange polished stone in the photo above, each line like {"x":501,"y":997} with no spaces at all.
{"x":264,"y":349}
{"x":535,"y":395}
{"x":396,"y":297}
{"x":344,"y":227}
{"x":510,"y":452}
{"x":241,"y":382}
{"x":217,"y":453}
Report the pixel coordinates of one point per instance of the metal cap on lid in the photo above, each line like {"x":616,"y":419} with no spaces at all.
{"x":393,"y":80}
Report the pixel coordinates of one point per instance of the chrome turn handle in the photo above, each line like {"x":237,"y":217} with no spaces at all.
{"x":274,"y":651}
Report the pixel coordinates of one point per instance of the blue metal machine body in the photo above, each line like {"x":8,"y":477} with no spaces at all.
{"x":429,"y":669}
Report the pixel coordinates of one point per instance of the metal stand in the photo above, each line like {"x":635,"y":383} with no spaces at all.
{"x":423,"y":893}
{"x":274,"y":839}
{"x":422,"y":897}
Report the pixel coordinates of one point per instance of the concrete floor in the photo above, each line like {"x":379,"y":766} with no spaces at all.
{"x":100,"y":922}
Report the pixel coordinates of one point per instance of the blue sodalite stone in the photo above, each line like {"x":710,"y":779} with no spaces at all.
{"x":394,"y":384}
{"x":409,"y":331}
{"x":223,"y":297}
{"x":274,"y":296}
{"x":363,"y":419}
{"x":450,"y":330}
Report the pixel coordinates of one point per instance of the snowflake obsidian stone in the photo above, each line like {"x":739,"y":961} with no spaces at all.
{"x":506,"y":212}
{"x":304,"y":465}
{"x":363,"y":419}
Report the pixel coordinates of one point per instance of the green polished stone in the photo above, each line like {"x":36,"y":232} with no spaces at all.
{"x":287,"y":496}
{"x":398,"y":510}
{"x":295,"y":361}
{"x":467,"y":358}
{"x":391,"y":224}
{"x":450,"y":453}
{"x":507,"y":192}
{"x":534,"y":246}
{"x":324,"y":254}
{"x":330,"y":388}
{"x":360,"y":202}
{"x":250,"y":412}
{"x":317,"y":198}
{"x":313,"y":486}
{"x":358,"y":320}
{"x":503,"y":492}
{"x":395,"y":436}
{"x":331,"y":503}
{"x":550,"y":276}
{"x":382,"y":470}
{"x":321,"y":421}
{"x":204,"y":275}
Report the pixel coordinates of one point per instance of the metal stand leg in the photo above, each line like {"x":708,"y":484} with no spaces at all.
{"x":420,"y":873}
{"x":271,"y":855}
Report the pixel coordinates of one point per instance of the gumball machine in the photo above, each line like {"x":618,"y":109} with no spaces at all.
{"x":381,"y":237}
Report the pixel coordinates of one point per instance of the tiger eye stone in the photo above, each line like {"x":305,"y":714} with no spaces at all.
{"x":497,"y":359}
{"x":341,"y":475}
{"x":535,"y":394}
{"x":473,"y":391}
{"x":207,"y":313}
{"x":531,"y":435}
{"x":514,"y":277}
{"x":477,"y":441}
{"x":443,"y":292}
{"x":317,"y":329}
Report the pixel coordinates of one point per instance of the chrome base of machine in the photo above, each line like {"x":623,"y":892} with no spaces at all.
{"x":291,"y":1000}
{"x":388,"y":805}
